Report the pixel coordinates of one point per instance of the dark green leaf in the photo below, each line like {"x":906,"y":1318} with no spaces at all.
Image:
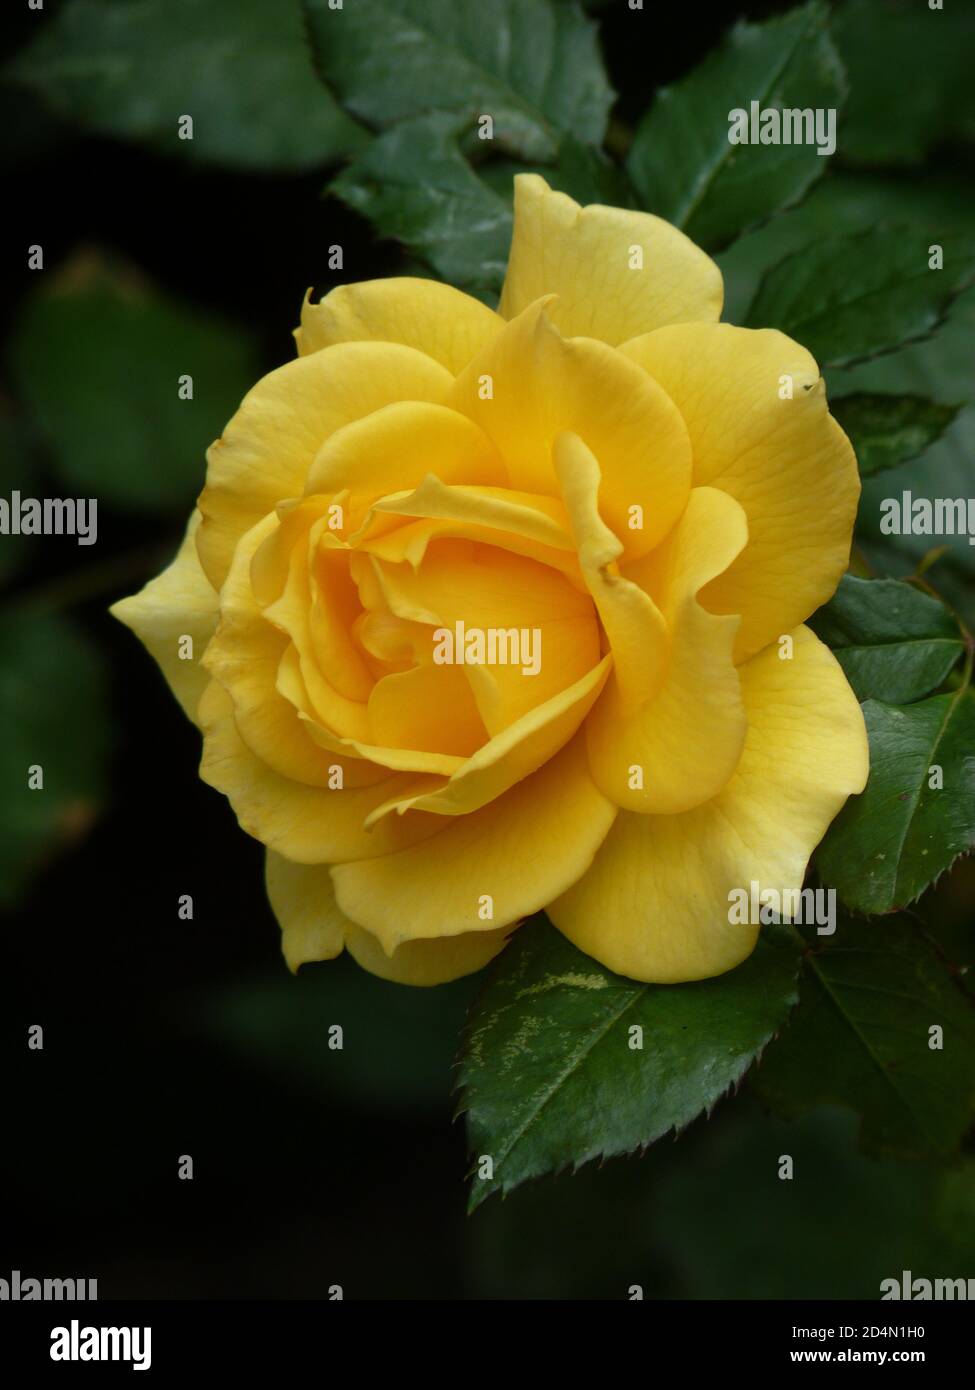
{"x":413,"y":184}
{"x":549,"y":1077}
{"x":881,"y":41}
{"x":941,"y":368}
{"x":41,"y":658}
{"x":860,"y":1038}
{"x":888,"y":844}
{"x":98,"y":359}
{"x":533,"y":66}
{"x":581,"y":171}
{"x":888,"y":430}
{"x":589,"y":176}
{"x":894,"y":642}
{"x":848,"y":298}
{"x":682,"y":163}
{"x":845,"y":202}
{"x":585,"y":173}
{"x":241,"y":69}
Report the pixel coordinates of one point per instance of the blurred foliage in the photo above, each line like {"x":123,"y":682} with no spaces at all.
{"x":18,"y":472}
{"x":125,"y":427}
{"x":52,"y":711}
{"x":273,"y":1020}
{"x":533,"y":66}
{"x":894,"y":119}
{"x":710,"y":1218}
{"x":132,"y":70}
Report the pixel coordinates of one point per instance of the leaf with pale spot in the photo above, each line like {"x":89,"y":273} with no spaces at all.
{"x":549,"y":1078}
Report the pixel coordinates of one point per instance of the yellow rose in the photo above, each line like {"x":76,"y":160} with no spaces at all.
{"x":495,"y":612}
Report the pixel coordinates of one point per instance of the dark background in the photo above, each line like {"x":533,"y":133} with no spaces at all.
{"x":162,"y":1038}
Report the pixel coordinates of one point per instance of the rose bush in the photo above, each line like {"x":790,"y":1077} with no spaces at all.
{"x":659,"y":499}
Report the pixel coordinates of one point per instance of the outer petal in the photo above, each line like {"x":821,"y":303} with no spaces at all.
{"x":313,"y":928}
{"x":586,"y":257}
{"x":312,"y":825}
{"x":543,"y":384}
{"x":265,"y":452}
{"x":180,"y":602}
{"x":432,"y":962}
{"x":303,"y":901}
{"x":655,"y":905}
{"x":786,"y":461}
{"x":520,"y":851}
{"x":446,"y":324}
{"x":244,"y":656}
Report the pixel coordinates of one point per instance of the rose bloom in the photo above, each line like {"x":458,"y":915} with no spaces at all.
{"x":601,"y":476}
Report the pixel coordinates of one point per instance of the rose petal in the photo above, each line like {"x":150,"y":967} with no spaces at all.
{"x":655,"y":906}
{"x":786,"y":461}
{"x":436,"y":319}
{"x":585,"y":256}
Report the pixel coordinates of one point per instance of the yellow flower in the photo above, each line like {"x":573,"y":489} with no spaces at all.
{"x":495,"y":612}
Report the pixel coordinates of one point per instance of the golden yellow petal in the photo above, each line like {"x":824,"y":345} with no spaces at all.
{"x":616,"y":272}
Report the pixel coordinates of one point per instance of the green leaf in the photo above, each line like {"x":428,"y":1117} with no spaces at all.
{"x":589,"y":176}
{"x":241,"y":69}
{"x":41,"y":658}
{"x":682,"y":162}
{"x":852,"y":297}
{"x":860,"y":1038}
{"x":894,"y":839}
{"x":888,"y":430}
{"x":98,"y":358}
{"x":414,"y":184}
{"x":549,"y":1078}
{"x":880,"y":42}
{"x":894,"y":642}
{"x":844,"y":202}
{"x":533,"y":66}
